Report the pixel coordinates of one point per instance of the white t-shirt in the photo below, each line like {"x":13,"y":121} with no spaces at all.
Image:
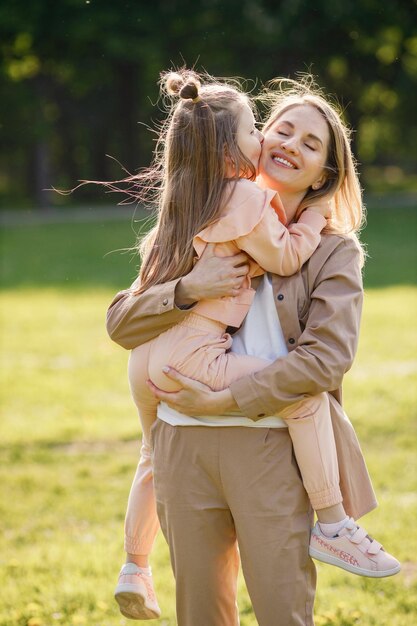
{"x":260,"y":335}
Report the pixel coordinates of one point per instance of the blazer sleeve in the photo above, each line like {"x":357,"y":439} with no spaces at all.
{"x":326,"y":347}
{"x":134,"y":320}
{"x":279,"y":249}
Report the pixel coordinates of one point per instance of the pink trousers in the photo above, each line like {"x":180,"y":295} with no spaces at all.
{"x":197,"y":348}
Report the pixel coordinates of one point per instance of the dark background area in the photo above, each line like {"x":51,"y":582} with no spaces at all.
{"x":79,"y":80}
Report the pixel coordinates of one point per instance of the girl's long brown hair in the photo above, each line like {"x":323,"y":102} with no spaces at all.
{"x":187,"y":178}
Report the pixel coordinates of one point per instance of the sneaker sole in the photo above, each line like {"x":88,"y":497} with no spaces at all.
{"x":132,"y":605}
{"x":353,"y":569}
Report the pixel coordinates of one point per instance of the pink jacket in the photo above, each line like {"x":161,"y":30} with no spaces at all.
{"x":253,"y":220}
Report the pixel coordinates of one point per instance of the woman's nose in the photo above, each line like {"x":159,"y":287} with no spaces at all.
{"x":290,"y":145}
{"x":260,"y":136}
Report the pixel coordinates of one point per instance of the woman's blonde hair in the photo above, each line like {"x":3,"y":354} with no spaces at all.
{"x":187,"y":178}
{"x":342,"y":180}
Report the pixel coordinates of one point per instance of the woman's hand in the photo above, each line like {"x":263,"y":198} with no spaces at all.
{"x":212,"y":277}
{"x":194,"y":398}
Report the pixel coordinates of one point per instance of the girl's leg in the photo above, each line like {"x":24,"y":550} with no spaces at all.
{"x":141,"y":523}
{"x":310,"y":428}
{"x":336,"y":539}
{"x":198,"y":350}
{"x":134,"y":592}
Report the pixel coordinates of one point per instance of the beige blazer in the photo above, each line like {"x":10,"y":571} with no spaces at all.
{"x":319,"y":309}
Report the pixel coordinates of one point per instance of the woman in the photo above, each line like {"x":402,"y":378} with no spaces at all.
{"x":216,"y":485}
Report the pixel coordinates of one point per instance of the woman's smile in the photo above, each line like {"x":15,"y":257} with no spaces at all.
{"x":283,"y":161}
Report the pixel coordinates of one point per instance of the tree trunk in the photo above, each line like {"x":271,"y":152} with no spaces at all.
{"x":41,"y":166}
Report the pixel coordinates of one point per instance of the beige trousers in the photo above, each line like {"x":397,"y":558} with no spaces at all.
{"x":218,"y":488}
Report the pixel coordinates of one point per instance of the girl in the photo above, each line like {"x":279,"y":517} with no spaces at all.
{"x":210,"y":149}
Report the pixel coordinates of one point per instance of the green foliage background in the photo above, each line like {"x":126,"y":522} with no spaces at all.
{"x":78,"y":80}
{"x":77,"y":77}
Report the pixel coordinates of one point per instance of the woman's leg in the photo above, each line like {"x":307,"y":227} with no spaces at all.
{"x":272,"y":516}
{"x":197,"y":523}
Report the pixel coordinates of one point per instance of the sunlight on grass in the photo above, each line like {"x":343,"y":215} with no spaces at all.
{"x":70,"y":444}
{"x":64,"y":379}
{"x":70,"y":435}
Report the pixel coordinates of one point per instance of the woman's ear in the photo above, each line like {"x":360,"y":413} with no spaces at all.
{"x":318,"y":184}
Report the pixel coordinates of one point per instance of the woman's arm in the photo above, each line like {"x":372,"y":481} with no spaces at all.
{"x":327,"y":346}
{"x":325,"y":349}
{"x":134,"y":320}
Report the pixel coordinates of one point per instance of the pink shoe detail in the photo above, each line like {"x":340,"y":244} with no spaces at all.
{"x":135,"y":594}
{"x":354,"y":551}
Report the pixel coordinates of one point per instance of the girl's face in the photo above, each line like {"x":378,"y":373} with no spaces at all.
{"x":249,"y":138}
{"x":294,"y":151}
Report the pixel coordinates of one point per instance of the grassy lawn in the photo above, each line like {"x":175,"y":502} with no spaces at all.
{"x":69,"y":434}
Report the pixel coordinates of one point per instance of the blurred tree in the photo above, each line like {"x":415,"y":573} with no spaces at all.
{"x":77,"y":76}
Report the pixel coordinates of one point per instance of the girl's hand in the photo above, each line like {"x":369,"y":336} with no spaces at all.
{"x":212,"y":277}
{"x":324,"y":208}
{"x":194,"y":398}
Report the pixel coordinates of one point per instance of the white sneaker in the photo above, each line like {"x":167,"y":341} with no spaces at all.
{"x":354,"y":550}
{"x":135,"y":593}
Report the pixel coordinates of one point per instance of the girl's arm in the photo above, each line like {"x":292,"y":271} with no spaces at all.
{"x":324,"y":352}
{"x":254,"y":220}
{"x":134,"y":320}
{"x":279,"y":249}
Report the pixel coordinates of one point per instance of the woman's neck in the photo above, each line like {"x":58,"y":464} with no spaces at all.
{"x":291,"y":200}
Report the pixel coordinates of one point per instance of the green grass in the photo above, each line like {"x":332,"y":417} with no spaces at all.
{"x":92,"y":254}
{"x":390,"y":237}
{"x":69,"y":433}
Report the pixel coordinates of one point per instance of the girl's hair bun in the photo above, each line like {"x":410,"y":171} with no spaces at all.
{"x":186,"y":84}
{"x":173,"y":82}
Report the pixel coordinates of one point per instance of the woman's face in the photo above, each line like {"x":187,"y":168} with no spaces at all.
{"x":294,"y":151}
